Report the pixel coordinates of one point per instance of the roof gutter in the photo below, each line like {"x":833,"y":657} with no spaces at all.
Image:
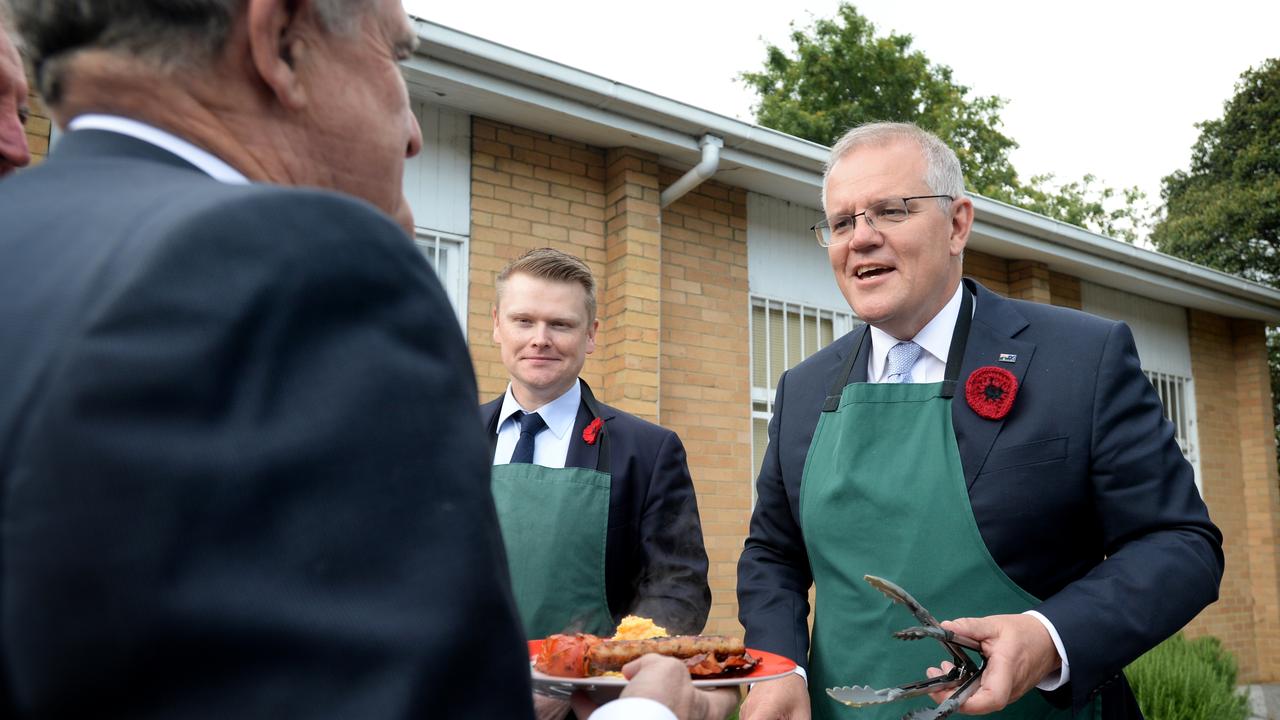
{"x":513,"y":86}
{"x":699,"y":173}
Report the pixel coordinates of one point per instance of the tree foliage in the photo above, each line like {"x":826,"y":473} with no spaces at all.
{"x":839,"y":74}
{"x":1224,"y":211}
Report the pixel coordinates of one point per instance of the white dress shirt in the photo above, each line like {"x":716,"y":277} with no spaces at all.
{"x":935,"y":341}
{"x":551,"y":446}
{"x":202,"y":159}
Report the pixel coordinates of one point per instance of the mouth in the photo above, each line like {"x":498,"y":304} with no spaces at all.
{"x":871,"y":271}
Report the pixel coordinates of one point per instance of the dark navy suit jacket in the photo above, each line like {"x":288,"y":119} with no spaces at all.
{"x":240,"y":471}
{"x":655,"y":562}
{"x":1081,"y":494}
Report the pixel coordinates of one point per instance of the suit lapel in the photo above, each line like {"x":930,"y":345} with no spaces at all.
{"x":995,"y":323}
{"x":580,"y":453}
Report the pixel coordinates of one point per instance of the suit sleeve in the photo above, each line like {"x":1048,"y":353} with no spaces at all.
{"x":255,"y":487}
{"x":674,"y":583}
{"x":1164,"y":556}
{"x":773,"y":570}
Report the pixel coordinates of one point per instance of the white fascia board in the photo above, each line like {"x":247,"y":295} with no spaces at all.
{"x":507,"y":85}
{"x":1015,"y":233}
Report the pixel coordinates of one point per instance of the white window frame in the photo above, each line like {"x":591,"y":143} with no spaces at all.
{"x":433,"y":244}
{"x":842,"y":321}
{"x":1182,"y":388}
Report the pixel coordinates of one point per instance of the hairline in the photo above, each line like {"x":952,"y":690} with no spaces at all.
{"x":940,"y":179}
{"x":529,"y":265}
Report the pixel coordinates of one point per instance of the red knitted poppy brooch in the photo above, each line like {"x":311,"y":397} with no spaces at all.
{"x":990,"y":391}
{"x":592,"y":431}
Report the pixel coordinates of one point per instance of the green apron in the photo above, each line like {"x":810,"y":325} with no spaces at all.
{"x":554,"y":524}
{"x":883,"y":493}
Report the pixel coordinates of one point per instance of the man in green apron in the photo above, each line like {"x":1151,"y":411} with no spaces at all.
{"x":1006,"y":462}
{"x":596,"y":506}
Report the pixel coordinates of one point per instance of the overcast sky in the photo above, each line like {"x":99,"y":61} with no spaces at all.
{"x":1110,"y":88}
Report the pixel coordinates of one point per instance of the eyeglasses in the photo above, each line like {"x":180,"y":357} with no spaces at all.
{"x":881,"y":216}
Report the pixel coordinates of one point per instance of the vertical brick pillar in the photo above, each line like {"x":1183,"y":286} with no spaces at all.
{"x":1238,"y":473}
{"x":1261,"y":493}
{"x":1029,"y":280}
{"x":630,"y":306}
{"x":1064,"y":290}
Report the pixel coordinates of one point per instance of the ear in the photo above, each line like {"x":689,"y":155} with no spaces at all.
{"x":276,"y":46}
{"x":591,"y":335}
{"x":961,"y":224}
{"x":496,"y":339}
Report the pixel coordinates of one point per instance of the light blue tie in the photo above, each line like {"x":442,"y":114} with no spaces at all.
{"x":901,"y":358}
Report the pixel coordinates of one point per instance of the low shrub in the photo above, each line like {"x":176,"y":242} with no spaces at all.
{"x":1183,"y":679}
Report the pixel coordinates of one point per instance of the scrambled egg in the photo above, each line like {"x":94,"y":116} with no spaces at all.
{"x":634,"y":627}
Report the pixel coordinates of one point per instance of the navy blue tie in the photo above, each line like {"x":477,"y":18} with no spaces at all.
{"x":530,"y":425}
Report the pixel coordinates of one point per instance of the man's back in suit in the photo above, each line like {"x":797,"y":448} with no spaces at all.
{"x":235,"y":478}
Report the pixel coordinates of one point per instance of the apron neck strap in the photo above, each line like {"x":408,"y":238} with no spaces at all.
{"x":588,"y":399}
{"x":955,"y":356}
{"x":959,"y":339}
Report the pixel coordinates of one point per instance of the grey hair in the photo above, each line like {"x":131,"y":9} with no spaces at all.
{"x":942,"y":168}
{"x":8,"y":27}
{"x":168,"y":33}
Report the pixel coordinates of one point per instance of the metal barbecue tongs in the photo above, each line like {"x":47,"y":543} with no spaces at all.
{"x":964,"y":676}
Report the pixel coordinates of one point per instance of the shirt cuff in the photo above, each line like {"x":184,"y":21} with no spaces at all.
{"x":633,"y":708}
{"x":1059,"y":677}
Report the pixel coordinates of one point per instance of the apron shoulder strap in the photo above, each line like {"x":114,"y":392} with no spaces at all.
{"x":959,"y":339}
{"x":842,"y":378}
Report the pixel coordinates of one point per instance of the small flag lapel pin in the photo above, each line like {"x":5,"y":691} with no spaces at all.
{"x":1008,"y":357}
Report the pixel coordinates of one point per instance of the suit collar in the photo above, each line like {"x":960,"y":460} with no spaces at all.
{"x":208,"y":163}
{"x":580,"y":453}
{"x":101,"y":144}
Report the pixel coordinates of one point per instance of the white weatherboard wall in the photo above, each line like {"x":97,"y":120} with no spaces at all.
{"x":438,"y":181}
{"x":784,"y":260}
{"x":1160,"y":332}
{"x":1159,"y":329}
{"x":437,"y":184}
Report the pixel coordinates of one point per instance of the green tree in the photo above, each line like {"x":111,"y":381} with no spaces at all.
{"x":1224,"y":211}
{"x":840,"y":74}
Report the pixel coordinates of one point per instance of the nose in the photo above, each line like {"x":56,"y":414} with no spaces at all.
{"x":415,"y":136}
{"x":541,"y":336}
{"x":864,"y":236}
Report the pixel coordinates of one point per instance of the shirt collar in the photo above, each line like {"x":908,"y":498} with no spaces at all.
{"x":559,"y":414}
{"x":934,"y":338}
{"x":200,"y":158}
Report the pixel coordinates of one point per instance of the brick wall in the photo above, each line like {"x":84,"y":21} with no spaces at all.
{"x":706,"y":383}
{"x":531,"y":190}
{"x":991,"y":271}
{"x":1239,"y":477}
{"x":39,"y":129}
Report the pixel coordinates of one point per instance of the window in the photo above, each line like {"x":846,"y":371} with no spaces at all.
{"x":782,"y":334}
{"x":446,"y":254}
{"x":1176,"y":395}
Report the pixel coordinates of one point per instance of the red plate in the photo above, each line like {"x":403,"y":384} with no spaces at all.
{"x":769,"y":667}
